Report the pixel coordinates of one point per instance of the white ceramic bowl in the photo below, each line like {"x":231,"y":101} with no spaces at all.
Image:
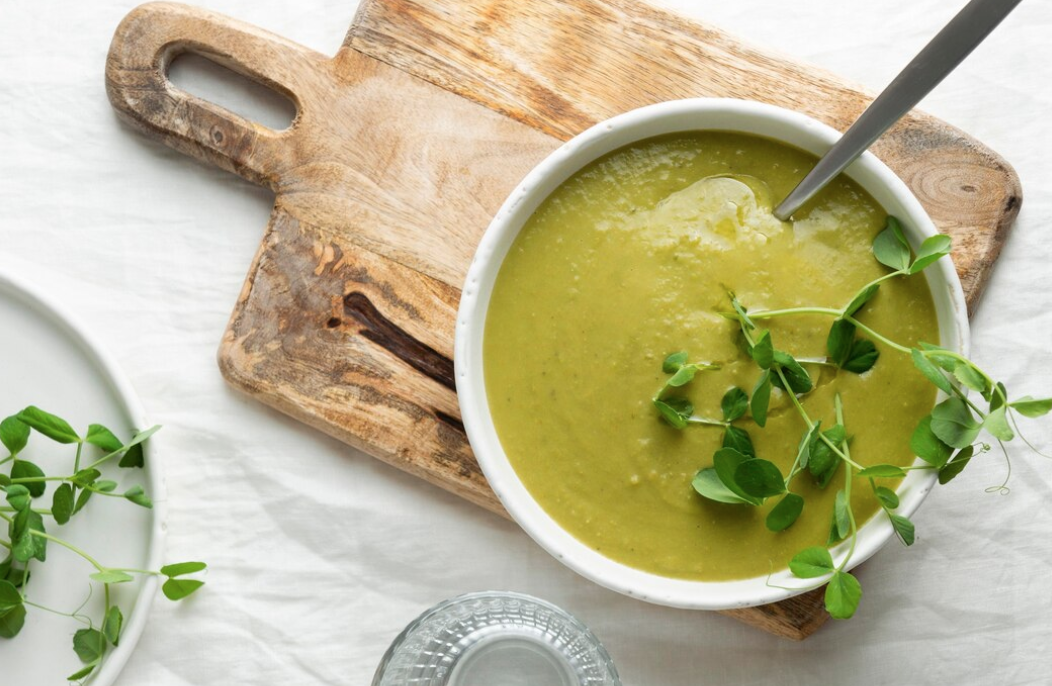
{"x":670,"y":117}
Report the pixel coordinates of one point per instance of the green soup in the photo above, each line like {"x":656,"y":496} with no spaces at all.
{"x":630,"y":260}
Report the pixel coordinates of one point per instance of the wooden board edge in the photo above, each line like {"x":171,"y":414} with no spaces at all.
{"x":794,"y":618}
{"x":239,"y":374}
{"x":975,"y":285}
{"x":240,"y":378}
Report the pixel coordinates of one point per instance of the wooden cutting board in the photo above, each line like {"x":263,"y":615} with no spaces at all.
{"x":404,"y":146}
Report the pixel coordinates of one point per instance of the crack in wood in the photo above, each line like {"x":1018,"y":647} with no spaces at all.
{"x":388,"y":335}
{"x":451,"y":421}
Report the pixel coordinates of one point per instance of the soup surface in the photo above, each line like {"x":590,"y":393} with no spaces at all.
{"x":630,"y":260}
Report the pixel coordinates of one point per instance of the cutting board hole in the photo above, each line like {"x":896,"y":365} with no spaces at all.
{"x":214,"y":82}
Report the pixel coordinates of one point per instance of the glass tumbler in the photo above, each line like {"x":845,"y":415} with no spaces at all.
{"x":496,"y":639}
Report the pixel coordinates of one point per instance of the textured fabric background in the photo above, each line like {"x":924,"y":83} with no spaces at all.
{"x":319,"y":555}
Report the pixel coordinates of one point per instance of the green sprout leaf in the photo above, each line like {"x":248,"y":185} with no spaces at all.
{"x":89,"y":644}
{"x":838,"y":343}
{"x":999,"y":397}
{"x":12,"y":610}
{"x":1029,"y":407}
{"x":18,"y":497}
{"x":136,"y":495}
{"x":82,"y":672}
{"x":12,"y":621}
{"x":903,"y":528}
{"x":85,"y":477}
{"x":811,"y":562}
{"x":674,"y":361}
{"x":824,"y":462}
{"x":785,"y":513}
{"x":882,"y":471}
{"x":796,"y":376}
{"x":851,"y":354}
{"x":707,"y":483}
{"x":896,"y":227}
{"x":971,"y":378}
{"x":834,"y":532}
{"x":940,"y":356}
{"x":683,"y":376}
{"x":675,"y":411}
{"x":133,"y":457}
{"x":927,"y":446}
{"x":100,"y":436}
{"x":726,"y":461}
{"x":62,"y":503}
{"x":952,"y":422}
{"x":863,"y":356}
{"x":807,"y":445}
{"x":843,"y":594}
{"x":112,"y":576}
{"x":111,"y":626}
{"x":23,"y":469}
{"x":183,"y":568}
{"x":10,"y":598}
{"x":997,"y":424}
{"x":956,"y":465}
{"x":890,"y":247}
{"x":82,"y":500}
{"x":177,"y":589}
{"x":741,"y":312}
{"x":48,"y":424}
{"x":24,"y":545}
{"x":931,"y":371}
{"x":887,"y":497}
{"x":759,"y":478}
{"x":734,"y":404}
{"x":18,"y":576}
{"x":933,"y":248}
{"x":738,"y":439}
{"x":842,"y":514}
{"x":761,"y":399}
{"x":14,"y":434}
{"x":860,"y":299}
{"x":763,"y":351}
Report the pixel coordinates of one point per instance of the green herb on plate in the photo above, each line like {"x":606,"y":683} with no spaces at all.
{"x":24,"y":487}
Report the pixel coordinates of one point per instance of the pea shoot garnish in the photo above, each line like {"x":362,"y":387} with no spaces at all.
{"x":945,"y":440}
{"x":28,"y":538}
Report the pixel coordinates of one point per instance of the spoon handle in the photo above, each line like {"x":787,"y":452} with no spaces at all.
{"x":931,"y":65}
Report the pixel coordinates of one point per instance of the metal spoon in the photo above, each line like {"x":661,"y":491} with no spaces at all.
{"x":931,"y":65}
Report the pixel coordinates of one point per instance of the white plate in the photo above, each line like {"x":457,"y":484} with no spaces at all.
{"x":48,"y":360}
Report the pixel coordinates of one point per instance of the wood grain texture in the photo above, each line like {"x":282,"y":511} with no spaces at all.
{"x":403,"y":147}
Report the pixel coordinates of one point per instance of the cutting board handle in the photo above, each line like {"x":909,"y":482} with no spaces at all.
{"x":154,"y":34}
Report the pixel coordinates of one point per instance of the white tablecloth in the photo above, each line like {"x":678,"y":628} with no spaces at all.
{"x":319,"y":555}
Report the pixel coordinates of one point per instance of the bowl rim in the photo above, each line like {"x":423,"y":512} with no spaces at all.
{"x":695,"y":114}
